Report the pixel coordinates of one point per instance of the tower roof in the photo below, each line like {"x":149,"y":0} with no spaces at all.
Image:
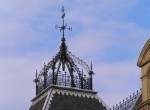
{"x":64,"y":69}
{"x":62,"y":98}
{"x":63,"y":85}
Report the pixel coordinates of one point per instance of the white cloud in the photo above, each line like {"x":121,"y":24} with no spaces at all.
{"x":99,"y":38}
{"x":116,"y":81}
{"x":16,"y":80}
{"x":22,"y":22}
{"x":88,"y":43}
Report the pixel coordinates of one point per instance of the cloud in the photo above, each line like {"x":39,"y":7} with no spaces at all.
{"x":16,"y":80}
{"x":102,"y":9}
{"x":88,"y":43}
{"x":23,"y":23}
{"x":100,"y":39}
{"x":116,"y":80}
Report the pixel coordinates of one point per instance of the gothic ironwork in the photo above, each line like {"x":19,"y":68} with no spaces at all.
{"x":65,"y":80}
{"x":128,"y":103}
{"x":63,"y":69}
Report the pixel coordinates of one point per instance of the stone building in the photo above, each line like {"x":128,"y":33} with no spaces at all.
{"x":65,"y":83}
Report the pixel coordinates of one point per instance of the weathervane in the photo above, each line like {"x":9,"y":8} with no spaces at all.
{"x":64,"y":26}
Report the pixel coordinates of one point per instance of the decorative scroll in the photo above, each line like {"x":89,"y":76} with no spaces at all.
{"x":77,"y":60}
{"x":65,"y":80}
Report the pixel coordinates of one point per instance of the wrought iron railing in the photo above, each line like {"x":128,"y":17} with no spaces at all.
{"x":65,"y":80}
{"x":128,"y":103}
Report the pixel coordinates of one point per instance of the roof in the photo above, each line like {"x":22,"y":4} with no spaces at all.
{"x":64,"y":68}
{"x":139,"y":101}
{"x":130,"y":103}
{"x":71,"y":102}
{"x":39,"y":105}
{"x":63,"y":98}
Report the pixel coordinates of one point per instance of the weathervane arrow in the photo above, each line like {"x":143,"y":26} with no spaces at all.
{"x":63,"y":27}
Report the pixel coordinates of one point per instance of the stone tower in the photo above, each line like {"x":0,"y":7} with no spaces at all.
{"x":65,"y":82}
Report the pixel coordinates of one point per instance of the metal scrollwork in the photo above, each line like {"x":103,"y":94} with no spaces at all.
{"x":63,"y":69}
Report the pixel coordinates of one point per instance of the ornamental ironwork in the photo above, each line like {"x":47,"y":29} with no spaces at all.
{"x":64,"y":69}
{"x":129,"y":102}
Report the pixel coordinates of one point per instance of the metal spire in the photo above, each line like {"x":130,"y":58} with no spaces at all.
{"x":36,"y":81}
{"x":64,"y":26}
{"x":91,"y":66}
{"x":45,"y":77}
{"x":55,"y":71}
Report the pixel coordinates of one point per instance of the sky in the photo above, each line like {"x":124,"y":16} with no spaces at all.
{"x":110,"y":33}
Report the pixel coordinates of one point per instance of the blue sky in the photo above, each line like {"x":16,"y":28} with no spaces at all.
{"x":110,"y":33}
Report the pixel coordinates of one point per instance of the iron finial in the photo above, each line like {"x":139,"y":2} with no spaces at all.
{"x":36,"y":73}
{"x":36,"y":81}
{"x":36,"y":77}
{"x":62,"y":9}
{"x":91,"y":66}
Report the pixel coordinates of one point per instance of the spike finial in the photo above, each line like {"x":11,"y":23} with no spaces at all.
{"x":91,"y":66}
{"x":36,"y":81}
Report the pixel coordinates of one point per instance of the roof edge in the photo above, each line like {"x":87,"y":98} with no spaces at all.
{"x":62,"y":88}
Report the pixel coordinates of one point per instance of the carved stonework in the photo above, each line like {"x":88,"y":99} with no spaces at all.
{"x":145,"y":54}
{"x":143,"y":106}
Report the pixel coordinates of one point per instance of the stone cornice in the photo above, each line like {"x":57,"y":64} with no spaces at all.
{"x":141,"y":62}
{"x":142,"y":105}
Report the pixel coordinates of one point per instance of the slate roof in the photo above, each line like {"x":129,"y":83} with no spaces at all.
{"x":59,"y":98}
{"x":39,"y":105}
{"x":139,"y":101}
{"x":68,"y":102}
